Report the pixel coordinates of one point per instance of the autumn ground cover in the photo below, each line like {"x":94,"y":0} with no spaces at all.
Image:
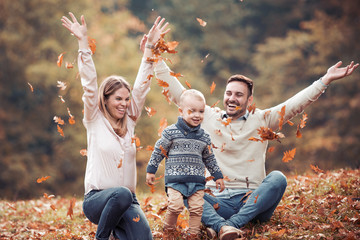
{"x":315,"y":206}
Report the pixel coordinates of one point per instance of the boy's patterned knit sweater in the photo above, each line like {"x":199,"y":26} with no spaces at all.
{"x":188,"y":152}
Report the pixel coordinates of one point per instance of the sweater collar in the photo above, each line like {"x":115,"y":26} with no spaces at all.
{"x":184,"y":128}
{"x":243,"y":117}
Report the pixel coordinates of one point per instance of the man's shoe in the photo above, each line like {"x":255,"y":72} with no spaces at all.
{"x":228,"y":233}
{"x":211,"y":233}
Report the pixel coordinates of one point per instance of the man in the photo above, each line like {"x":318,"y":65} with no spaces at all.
{"x":242,"y":160}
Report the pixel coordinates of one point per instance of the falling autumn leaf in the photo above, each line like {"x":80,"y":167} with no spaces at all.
{"x":136,"y":140}
{"x":281,"y":119}
{"x":120,"y":163}
{"x":42,"y":179}
{"x":290,"y":122}
{"x":303,"y":120}
{"x":207,"y":55}
{"x":187,"y":84}
{"x":152,"y":188}
{"x":149,"y":148}
{"x":212,"y":88}
{"x":289,"y":155}
{"x":316,"y":169}
{"x":227,"y":121}
{"x":53,"y":207}
{"x":215,"y":103}
{"x":92,"y":44}
{"x":218,"y":132}
{"x":298,"y":133}
{"x":48,"y":196}
{"x":223,"y":147}
{"x":61,"y":85}
{"x":177,"y":75}
{"x":162,"y":83}
{"x":256,"y":198}
{"x":163,"y":151}
{"x":58,"y":120}
{"x":83,"y":152}
{"x":271,"y":149}
{"x":252,"y":108}
{"x":61,"y":98}
{"x":31,"y":87}
{"x":201,"y":22}
{"x":72,"y":120}
{"x":60,"y":130}
{"x":163,"y":125}
{"x":166,"y":94}
{"x":172,"y":45}
{"x":150,"y":111}
{"x":70,"y":211}
{"x":69,"y":65}
{"x":60,"y":59}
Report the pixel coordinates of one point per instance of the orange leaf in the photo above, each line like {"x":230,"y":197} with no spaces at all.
{"x":158,"y":178}
{"x":149,"y":77}
{"x":267,"y":113}
{"x":61,"y":98}
{"x":251,"y":160}
{"x":316,"y":169}
{"x":222,"y":147}
{"x":232,"y":137}
{"x":254,"y":139}
{"x":256,"y":197}
{"x":163,"y":125}
{"x":69,"y":65}
{"x":60,"y":59}
{"x":58,"y":120}
{"x":209,"y":148}
{"x":289,"y":155}
{"x":209,"y":178}
{"x":83,"y":152}
{"x":290,"y":122}
{"x":303,"y":120}
{"x":187,"y":84}
{"x":60,"y":130}
{"x":201,"y":22}
{"x":53,"y":207}
{"x":163,"y":151}
{"x":212,"y":88}
{"x":42,"y":179}
{"x":218,"y":132}
{"x":172,"y":45}
{"x":48,"y":196}
{"x":61,"y":85}
{"x":150,"y":148}
{"x":72,"y":120}
{"x":120,"y":163}
{"x":207,"y":55}
{"x":162,"y":83}
{"x":281,"y":119}
{"x":70,"y":211}
{"x":252,"y":108}
{"x":216,"y":206}
{"x":136,"y":219}
{"x":166,"y":94}
{"x":177,"y":75}
{"x":92,"y":44}
{"x":136,"y":140}
{"x":215,"y":103}
{"x":31,"y":87}
{"x":182,"y":222}
{"x":271,"y":149}
{"x":152,"y":188}
{"x":298,"y":133}
{"x":227,"y":121}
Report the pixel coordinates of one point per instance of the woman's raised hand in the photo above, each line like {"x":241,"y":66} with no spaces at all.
{"x":79,"y":30}
{"x":158,"y":29}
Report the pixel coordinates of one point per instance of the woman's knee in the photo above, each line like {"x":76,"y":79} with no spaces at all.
{"x":122,"y":196}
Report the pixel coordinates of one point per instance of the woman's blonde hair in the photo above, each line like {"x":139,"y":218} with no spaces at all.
{"x":108,"y":87}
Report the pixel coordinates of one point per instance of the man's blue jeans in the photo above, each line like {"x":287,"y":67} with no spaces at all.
{"x":233,"y":211}
{"x":116,"y":209}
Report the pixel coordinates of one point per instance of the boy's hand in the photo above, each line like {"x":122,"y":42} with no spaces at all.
{"x":220,"y":184}
{"x":150,"y":178}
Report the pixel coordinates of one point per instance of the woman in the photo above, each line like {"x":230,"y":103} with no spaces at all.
{"x":110,"y":118}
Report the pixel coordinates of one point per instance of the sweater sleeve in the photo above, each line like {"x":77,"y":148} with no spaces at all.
{"x":295,"y":104}
{"x":140,"y":89}
{"x":161,"y":148}
{"x":210,"y":162}
{"x":162,"y":72}
{"x":88,"y":77}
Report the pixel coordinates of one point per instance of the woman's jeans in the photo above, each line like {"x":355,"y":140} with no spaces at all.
{"x":117,"y":210}
{"x":236,"y":211}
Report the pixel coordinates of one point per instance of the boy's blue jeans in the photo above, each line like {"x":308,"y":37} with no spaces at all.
{"x":116,"y":209}
{"x":233,"y":211}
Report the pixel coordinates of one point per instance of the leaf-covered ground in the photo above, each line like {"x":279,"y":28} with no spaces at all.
{"x":315,"y":206}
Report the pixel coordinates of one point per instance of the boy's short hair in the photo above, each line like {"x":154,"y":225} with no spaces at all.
{"x":193,"y":93}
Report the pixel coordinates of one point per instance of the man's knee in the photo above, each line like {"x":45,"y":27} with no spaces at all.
{"x":278,"y":179}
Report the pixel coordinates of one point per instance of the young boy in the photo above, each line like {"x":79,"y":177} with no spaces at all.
{"x":187,"y":149}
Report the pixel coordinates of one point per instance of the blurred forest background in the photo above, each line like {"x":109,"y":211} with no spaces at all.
{"x":283,"y":45}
